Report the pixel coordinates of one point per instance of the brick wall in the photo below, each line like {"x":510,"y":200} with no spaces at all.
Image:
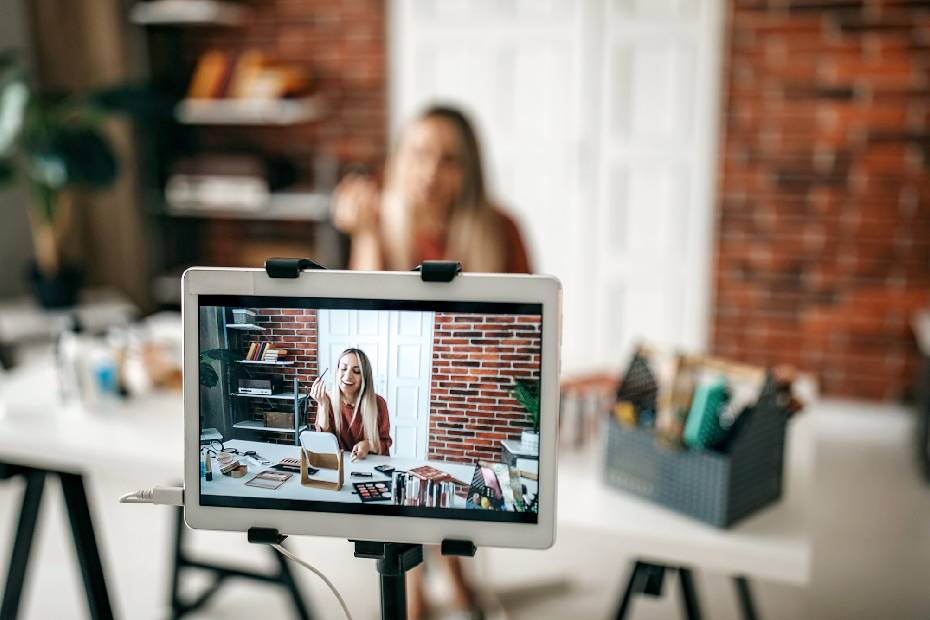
{"x":823,"y":232}
{"x":296,"y":331}
{"x":475,"y":360}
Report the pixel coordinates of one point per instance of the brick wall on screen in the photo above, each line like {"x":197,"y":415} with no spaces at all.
{"x":296,"y":331}
{"x":475,"y":361}
{"x":823,"y":232}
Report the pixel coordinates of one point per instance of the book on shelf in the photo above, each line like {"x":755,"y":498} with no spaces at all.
{"x":264,"y":352}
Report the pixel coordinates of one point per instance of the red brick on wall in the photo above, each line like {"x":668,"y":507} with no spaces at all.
{"x":475,"y":361}
{"x":823,"y":231}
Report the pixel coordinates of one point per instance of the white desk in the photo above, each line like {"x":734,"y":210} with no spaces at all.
{"x":146,"y":436}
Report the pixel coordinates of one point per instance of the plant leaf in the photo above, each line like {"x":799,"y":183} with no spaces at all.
{"x":88,"y":157}
{"x":7,"y":172}
{"x":221,"y":355}
{"x":208,"y":376}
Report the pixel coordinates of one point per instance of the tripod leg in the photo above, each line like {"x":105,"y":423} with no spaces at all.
{"x":22,"y":545}
{"x":82,"y":527}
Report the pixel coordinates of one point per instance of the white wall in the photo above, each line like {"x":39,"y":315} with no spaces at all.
{"x":15,"y":241}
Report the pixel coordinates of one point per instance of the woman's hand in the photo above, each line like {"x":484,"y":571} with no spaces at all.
{"x":356,"y":205}
{"x":319,"y":395}
{"x":318,"y":392}
{"x":361,"y":450}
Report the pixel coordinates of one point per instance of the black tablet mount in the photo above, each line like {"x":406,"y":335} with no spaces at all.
{"x":394,"y":559}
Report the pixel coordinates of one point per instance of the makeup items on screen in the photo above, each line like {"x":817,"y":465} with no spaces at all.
{"x":409,"y":490}
{"x":373,"y":491}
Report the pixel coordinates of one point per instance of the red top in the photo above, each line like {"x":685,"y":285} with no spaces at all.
{"x":352,"y":431}
{"x":515,"y":258}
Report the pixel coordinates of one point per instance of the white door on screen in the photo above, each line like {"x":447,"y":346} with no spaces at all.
{"x":399,"y":345}
{"x":599,"y":124}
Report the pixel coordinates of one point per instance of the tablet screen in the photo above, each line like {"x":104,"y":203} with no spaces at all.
{"x":386,"y":407}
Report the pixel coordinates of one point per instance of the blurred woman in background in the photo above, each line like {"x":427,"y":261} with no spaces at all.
{"x":434,"y":206}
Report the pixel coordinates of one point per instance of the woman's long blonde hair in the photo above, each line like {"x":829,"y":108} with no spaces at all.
{"x":367,"y":404}
{"x":474,"y":236}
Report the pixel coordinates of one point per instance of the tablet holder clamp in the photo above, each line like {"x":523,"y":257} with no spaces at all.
{"x":394,"y":559}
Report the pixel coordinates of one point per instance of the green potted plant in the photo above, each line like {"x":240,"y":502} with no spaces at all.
{"x":55,"y":144}
{"x":526,"y":392}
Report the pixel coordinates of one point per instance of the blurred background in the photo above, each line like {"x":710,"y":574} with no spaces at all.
{"x":744,"y":178}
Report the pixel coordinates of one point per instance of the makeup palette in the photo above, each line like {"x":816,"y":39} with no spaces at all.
{"x":373,"y":491}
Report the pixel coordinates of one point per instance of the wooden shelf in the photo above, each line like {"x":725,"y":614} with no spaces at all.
{"x":187,"y":13}
{"x":292,"y":206}
{"x":283,"y":396}
{"x":247,"y":327}
{"x":261,"y":363}
{"x":249,"y":111}
{"x":255,"y":425}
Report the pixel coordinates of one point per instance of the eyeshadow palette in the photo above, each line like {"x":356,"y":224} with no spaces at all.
{"x":373,"y":491}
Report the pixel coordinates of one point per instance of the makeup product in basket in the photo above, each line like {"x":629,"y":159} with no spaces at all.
{"x":428,"y":472}
{"x":372,"y":491}
{"x":703,"y":429}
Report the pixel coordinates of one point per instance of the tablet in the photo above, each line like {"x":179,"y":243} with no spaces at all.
{"x":372,"y":405}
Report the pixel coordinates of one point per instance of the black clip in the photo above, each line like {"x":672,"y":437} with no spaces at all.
{"x":464,"y":548}
{"x":265,"y":536}
{"x":438,"y":270}
{"x":289,"y":267}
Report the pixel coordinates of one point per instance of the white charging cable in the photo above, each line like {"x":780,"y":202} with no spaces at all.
{"x":174,"y":496}
{"x":167,"y":496}
{"x":308,"y":566}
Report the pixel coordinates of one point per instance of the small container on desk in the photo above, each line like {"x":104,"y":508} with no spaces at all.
{"x":717,"y":487}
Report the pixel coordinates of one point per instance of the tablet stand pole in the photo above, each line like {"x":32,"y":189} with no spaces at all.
{"x":394,"y":560}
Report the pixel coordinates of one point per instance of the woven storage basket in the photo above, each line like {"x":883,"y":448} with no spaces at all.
{"x":719,"y":488}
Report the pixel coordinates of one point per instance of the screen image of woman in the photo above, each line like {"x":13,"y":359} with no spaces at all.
{"x":351,"y":410}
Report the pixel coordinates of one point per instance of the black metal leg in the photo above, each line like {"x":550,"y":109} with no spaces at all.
{"x":85,"y":542}
{"x":22,"y":544}
{"x":176,"y":564}
{"x":744,"y":594}
{"x":633,"y":586}
{"x":180,"y":608}
{"x":287,"y":578}
{"x":689,"y":594}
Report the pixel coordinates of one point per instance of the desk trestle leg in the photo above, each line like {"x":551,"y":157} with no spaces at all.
{"x":646,"y":578}
{"x":179,"y":608}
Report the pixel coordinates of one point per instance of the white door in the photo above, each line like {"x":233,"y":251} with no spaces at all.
{"x":598,"y":121}
{"x":657,"y":164}
{"x":399,"y":345}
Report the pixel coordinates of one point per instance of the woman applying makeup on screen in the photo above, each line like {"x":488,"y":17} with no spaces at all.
{"x":352,"y":411}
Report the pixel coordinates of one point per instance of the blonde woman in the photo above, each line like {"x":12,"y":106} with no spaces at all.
{"x":434,"y":204}
{"x":351,"y":410}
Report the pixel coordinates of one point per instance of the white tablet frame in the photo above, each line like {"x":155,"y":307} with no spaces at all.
{"x":545,"y":290}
